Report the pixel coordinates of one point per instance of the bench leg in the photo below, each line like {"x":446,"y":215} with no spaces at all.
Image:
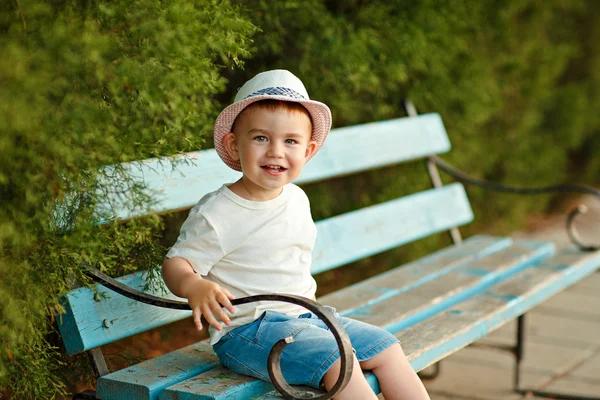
{"x":433,"y":374}
{"x":518,"y":352}
{"x":100,"y":369}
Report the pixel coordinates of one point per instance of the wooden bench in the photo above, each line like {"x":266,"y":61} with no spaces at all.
{"x":435,"y":305}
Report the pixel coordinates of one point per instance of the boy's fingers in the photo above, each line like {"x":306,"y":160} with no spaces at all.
{"x":216,"y":309}
{"x":210,"y":318}
{"x":197,"y":315}
{"x":226,"y":303}
{"x":224,"y":317}
{"x":229,"y":295}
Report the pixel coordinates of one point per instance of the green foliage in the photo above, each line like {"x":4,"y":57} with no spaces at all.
{"x":514,"y":82}
{"x":88,"y":84}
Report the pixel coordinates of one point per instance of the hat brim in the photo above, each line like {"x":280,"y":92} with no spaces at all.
{"x":319,"y":112}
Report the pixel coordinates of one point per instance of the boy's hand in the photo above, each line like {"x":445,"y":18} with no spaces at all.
{"x":208,"y":298}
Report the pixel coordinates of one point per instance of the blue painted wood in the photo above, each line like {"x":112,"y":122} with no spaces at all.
{"x":146,"y":379}
{"x":416,"y":273}
{"x":219,"y":383}
{"x":381,"y":227}
{"x":346,"y":151}
{"x":428,"y":342}
{"x":368,"y":146}
{"x":99,"y":316}
{"x":69,"y":330}
{"x":418,"y":304}
{"x":358,"y":234}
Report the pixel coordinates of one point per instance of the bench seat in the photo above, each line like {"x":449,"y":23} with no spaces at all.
{"x":435,"y":306}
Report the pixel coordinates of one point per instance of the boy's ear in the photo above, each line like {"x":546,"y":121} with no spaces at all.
{"x":230,"y":144}
{"x":310,"y":149}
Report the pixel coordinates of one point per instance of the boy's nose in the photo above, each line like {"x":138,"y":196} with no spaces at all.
{"x":275,"y":150}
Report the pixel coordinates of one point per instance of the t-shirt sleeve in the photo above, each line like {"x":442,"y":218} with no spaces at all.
{"x":198,"y":243}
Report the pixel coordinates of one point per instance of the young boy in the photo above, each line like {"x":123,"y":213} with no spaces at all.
{"x":255,"y":236}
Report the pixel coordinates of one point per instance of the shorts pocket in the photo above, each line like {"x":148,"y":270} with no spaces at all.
{"x":236,"y":365}
{"x":262,"y":324}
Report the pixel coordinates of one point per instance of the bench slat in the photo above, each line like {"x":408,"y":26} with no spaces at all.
{"x":448,"y":290}
{"x":415,"y":273}
{"x":437,"y":337}
{"x":219,"y":383}
{"x":420,"y":303}
{"x":144,"y":378}
{"x":95,"y":317}
{"x":387,"y":225}
{"x":346,"y":151}
{"x":389,"y":142}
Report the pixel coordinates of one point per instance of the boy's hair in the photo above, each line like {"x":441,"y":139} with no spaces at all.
{"x":273,"y":105}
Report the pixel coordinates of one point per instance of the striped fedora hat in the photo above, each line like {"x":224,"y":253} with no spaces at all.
{"x":271,"y":85}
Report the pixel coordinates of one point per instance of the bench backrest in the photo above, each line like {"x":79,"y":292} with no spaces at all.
{"x":92,"y":320}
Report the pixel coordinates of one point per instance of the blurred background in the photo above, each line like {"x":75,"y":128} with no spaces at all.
{"x":88,"y":84}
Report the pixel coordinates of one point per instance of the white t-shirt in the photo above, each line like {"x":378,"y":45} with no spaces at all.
{"x":251,"y":248}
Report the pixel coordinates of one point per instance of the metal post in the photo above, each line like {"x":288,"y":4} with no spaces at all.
{"x":434,"y":174}
{"x":519,"y":349}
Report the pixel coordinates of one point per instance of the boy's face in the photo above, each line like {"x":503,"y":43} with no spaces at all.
{"x":272,"y":147}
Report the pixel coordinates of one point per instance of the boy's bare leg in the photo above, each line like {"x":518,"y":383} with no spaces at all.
{"x":357,"y":388}
{"x":397,"y":379}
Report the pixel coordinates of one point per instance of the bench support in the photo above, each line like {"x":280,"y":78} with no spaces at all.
{"x":100,"y":369}
{"x":98,"y":363}
{"x":433,"y":374}
{"x":518,"y":350}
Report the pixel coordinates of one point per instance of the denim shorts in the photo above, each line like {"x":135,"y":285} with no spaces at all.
{"x":303,"y":362}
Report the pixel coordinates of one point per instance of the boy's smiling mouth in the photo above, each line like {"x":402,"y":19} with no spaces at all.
{"x":273,"y":169}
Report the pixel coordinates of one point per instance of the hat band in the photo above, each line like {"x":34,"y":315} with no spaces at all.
{"x":277,"y":91}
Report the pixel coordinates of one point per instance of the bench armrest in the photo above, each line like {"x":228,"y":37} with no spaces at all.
{"x":560,"y":188}
{"x":286,"y":390}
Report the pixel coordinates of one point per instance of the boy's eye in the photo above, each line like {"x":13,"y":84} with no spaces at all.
{"x":260,"y":138}
{"x":290,"y":141}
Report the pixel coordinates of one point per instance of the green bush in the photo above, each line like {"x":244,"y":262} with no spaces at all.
{"x":518,"y":77}
{"x":87,"y":84}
